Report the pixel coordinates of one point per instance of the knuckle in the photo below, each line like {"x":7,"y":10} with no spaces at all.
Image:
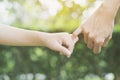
{"x":91,"y":36}
{"x":99,"y":41}
{"x":85,"y":30}
{"x":96,"y":41}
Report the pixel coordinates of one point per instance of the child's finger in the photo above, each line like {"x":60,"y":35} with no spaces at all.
{"x":64,"y":51}
{"x":60,"y":48}
{"x":75,"y":39}
{"x":69,"y":44}
{"x":77,"y":32}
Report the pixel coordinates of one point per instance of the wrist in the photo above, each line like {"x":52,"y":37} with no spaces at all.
{"x":111,"y":6}
{"x":42,"y":38}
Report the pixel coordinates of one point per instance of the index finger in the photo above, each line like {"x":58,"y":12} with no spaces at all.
{"x":77,"y":32}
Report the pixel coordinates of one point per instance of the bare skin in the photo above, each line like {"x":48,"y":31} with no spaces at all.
{"x":61,"y":42}
{"x":98,"y":28}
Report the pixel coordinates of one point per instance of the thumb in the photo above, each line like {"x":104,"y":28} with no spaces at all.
{"x":77,"y":31}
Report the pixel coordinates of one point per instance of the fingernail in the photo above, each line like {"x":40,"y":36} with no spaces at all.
{"x":69,"y":54}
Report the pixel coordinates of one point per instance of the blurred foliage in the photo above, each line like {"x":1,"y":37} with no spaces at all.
{"x":36,"y":15}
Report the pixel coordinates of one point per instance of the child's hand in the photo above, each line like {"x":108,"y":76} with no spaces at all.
{"x":62,"y":42}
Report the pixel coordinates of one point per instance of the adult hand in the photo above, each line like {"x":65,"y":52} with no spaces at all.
{"x":97,"y":29}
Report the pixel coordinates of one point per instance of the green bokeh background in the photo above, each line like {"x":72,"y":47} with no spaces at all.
{"x":83,"y":64}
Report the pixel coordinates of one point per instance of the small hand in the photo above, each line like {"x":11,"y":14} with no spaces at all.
{"x":62,"y":42}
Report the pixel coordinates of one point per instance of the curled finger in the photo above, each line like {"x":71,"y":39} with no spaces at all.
{"x":90,"y":43}
{"x":107,"y":40}
{"x":98,"y":45}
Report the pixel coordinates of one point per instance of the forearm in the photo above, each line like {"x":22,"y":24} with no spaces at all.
{"x":111,"y":6}
{"x":112,"y":3}
{"x":19,"y":37}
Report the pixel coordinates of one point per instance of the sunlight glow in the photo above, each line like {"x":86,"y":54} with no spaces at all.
{"x":53,"y":6}
{"x":69,"y":3}
{"x":82,"y":3}
{"x":5,"y":14}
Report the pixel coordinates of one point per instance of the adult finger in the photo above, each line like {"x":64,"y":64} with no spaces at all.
{"x":74,"y":38}
{"x":107,"y":40}
{"x":86,"y":37}
{"x":77,"y":32}
{"x":90,"y":43}
{"x":98,"y":45}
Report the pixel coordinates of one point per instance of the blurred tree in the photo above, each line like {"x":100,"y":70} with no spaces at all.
{"x":45,"y":15}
